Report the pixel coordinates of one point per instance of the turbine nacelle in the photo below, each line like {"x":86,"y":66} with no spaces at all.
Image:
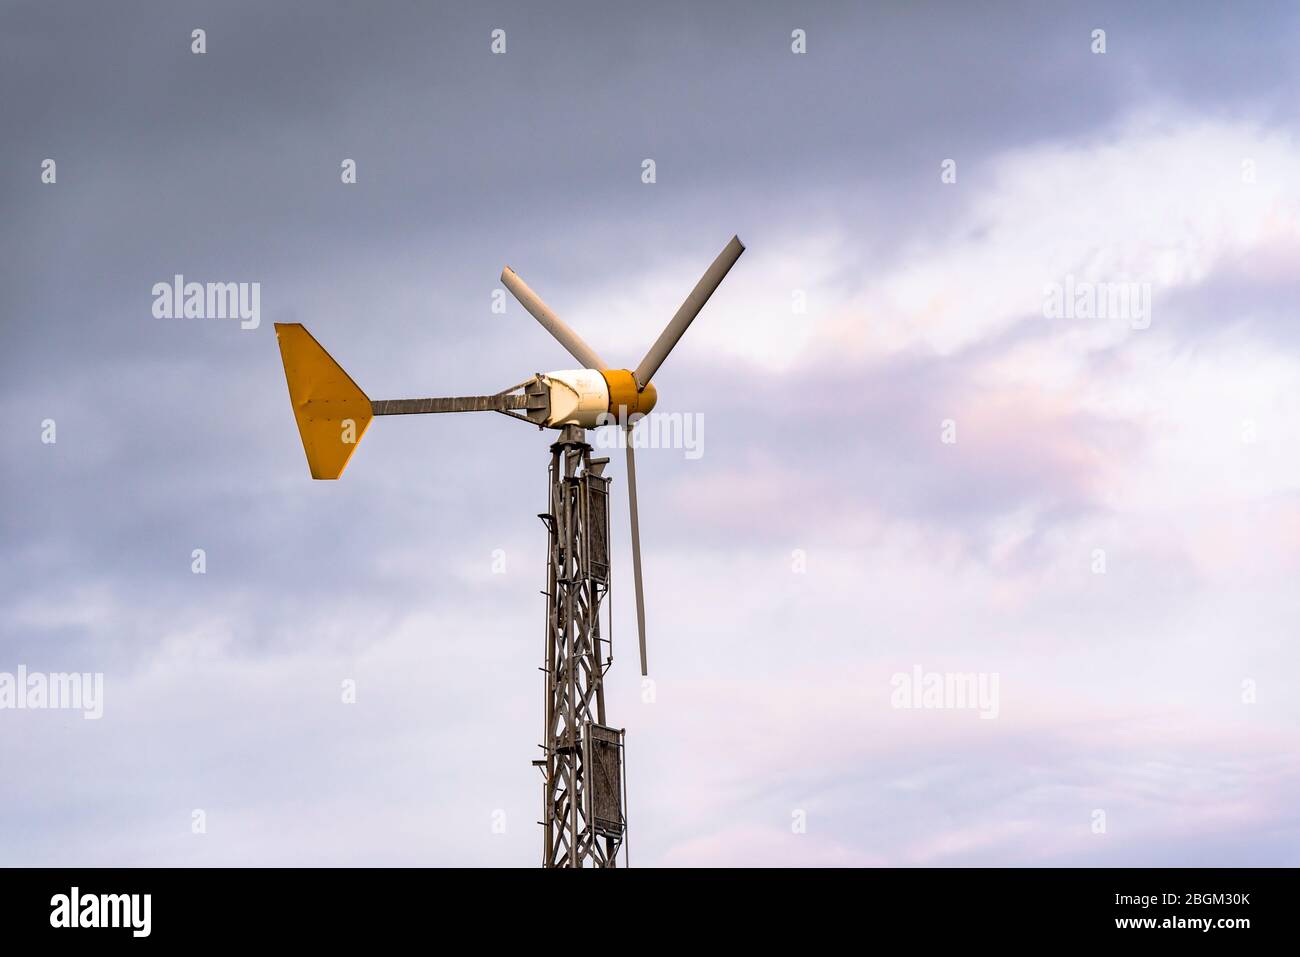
{"x":590,"y":398}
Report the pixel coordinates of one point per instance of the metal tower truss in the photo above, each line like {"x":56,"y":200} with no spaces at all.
{"x":583,"y":788}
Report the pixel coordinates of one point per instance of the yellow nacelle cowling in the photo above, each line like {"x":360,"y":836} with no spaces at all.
{"x":624,"y":399}
{"x":588,"y":398}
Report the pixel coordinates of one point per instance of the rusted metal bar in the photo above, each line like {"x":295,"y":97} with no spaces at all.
{"x":462,"y":403}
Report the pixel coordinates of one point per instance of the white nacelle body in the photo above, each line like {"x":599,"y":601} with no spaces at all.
{"x":578,"y":397}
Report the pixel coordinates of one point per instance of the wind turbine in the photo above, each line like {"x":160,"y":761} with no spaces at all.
{"x":583,"y":793}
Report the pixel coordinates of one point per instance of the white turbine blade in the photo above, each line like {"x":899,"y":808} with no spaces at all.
{"x":551,"y":322}
{"x":636,"y":544}
{"x":679,"y":323}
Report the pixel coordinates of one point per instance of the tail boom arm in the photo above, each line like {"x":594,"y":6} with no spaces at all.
{"x":462,"y":403}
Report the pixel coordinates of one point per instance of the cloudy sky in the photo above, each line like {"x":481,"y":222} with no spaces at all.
{"x":909,"y":460}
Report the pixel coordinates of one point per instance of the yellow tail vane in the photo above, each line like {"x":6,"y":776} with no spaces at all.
{"x":331,"y":410}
